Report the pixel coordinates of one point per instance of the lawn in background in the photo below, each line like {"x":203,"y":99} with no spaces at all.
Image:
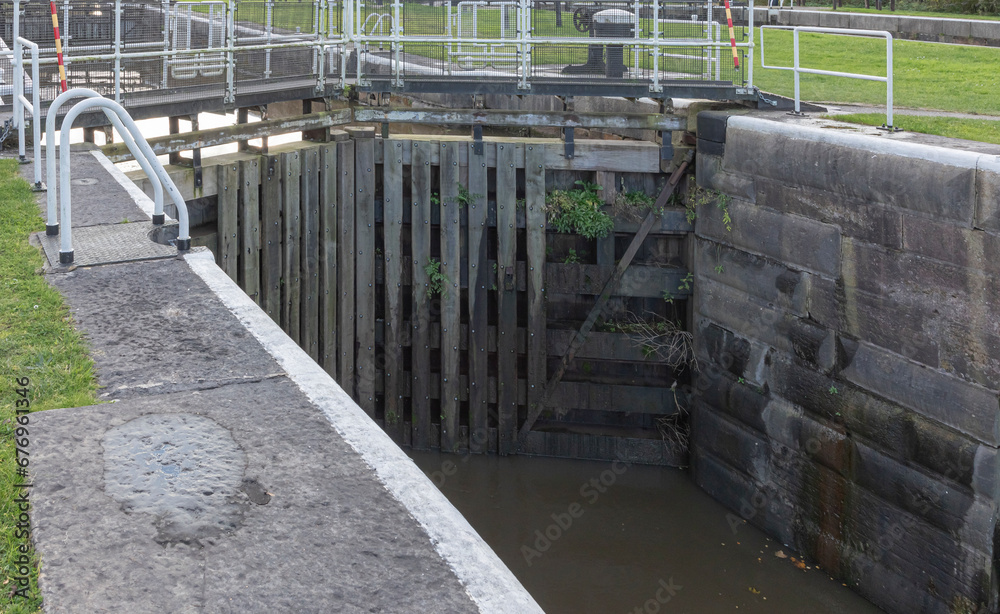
{"x":38,"y":342}
{"x":954,"y":78}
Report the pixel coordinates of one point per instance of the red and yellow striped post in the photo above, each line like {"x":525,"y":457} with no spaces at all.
{"x":55,"y":32}
{"x":732,"y":35}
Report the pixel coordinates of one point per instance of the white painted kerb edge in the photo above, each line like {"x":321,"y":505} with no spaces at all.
{"x":144,"y":202}
{"x":490,"y":584}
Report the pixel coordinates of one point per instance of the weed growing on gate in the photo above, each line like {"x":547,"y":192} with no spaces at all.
{"x":580,"y":211}
{"x":438,"y":283}
{"x":37,"y":341}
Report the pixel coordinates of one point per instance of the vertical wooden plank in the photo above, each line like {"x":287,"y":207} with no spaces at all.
{"x":291,"y":167}
{"x":420,"y":229}
{"x":481,"y":279}
{"x":451,"y":318}
{"x":392,"y":190}
{"x":270,"y":202}
{"x":345,"y":276}
{"x":507,"y":303}
{"x":309,"y":307}
{"x":534,"y":158}
{"x":250,"y":227}
{"x":364,"y":223}
{"x":328,"y":258}
{"x":229,"y":243}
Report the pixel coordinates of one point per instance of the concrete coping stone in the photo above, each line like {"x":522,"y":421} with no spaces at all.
{"x":875,"y":145}
{"x":490,"y":584}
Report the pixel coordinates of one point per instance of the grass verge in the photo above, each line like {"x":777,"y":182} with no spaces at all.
{"x":982,"y":130}
{"x":37,"y":342}
{"x":927,"y":75}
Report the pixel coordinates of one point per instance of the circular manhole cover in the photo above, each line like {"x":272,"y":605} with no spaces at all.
{"x":186,"y":471}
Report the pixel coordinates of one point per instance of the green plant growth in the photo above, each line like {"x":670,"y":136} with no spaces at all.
{"x":684,"y":287}
{"x":700,"y":196}
{"x":438,"y":282}
{"x":580,"y":211}
{"x":465,"y":197}
{"x":572,"y":257}
{"x":39,"y":347}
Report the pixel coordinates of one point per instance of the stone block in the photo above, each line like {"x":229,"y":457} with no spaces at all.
{"x":834,"y":20}
{"x":988,"y":189}
{"x":717,"y":388}
{"x":797,"y":241}
{"x":710,"y":174}
{"x":892,"y":429}
{"x":931,"y":311}
{"x":923,"y":28}
{"x":855,"y":218}
{"x":954,"y":28}
{"x":738,"y":311}
{"x":861,"y":21}
{"x":803,"y":18}
{"x":758,"y":276}
{"x":931,"y":180}
{"x":956,"y":245}
{"x":966,"y":407}
{"x":983,"y":29}
{"x":712,"y":125}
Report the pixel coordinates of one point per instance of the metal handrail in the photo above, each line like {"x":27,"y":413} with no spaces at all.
{"x":797,"y":69}
{"x":52,"y":222}
{"x":139,"y":148}
{"x":21,"y":103}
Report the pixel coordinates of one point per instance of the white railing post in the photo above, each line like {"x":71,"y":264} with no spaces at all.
{"x":888,"y":81}
{"x":52,"y":221}
{"x":749,"y":58}
{"x":230,"y":52}
{"x":319,"y":55}
{"x":795,"y":66}
{"x":655,"y":86}
{"x":139,"y":148}
{"x":17,"y":64}
{"x":118,"y":51}
{"x":36,"y":109}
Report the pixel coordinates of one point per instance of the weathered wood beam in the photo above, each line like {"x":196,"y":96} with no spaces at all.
{"x":498,"y":117}
{"x":118,"y":152}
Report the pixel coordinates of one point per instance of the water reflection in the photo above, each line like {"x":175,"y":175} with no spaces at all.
{"x":598,"y":537}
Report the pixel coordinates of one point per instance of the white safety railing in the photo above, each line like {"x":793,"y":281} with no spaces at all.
{"x":140,"y":150}
{"x":796,"y":68}
{"x":22,"y":105}
{"x":52,"y":222}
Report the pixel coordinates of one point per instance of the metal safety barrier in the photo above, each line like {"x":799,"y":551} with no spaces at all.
{"x":22,"y":104}
{"x":796,"y":68}
{"x":160,"y":53}
{"x":140,"y":150}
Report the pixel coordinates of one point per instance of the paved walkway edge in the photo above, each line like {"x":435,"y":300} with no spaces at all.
{"x":490,"y":584}
{"x":141,"y":200}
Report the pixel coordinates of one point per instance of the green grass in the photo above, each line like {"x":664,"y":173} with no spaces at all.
{"x":38,"y":342}
{"x":982,"y":130}
{"x":927,"y":75}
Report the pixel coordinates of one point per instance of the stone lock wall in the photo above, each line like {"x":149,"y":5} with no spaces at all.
{"x":848,"y":327}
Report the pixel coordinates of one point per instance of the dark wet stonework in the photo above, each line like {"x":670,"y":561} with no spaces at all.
{"x":183,"y":470}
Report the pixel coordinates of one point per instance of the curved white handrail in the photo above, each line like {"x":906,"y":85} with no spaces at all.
{"x":139,"y":148}
{"x":52,"y":223}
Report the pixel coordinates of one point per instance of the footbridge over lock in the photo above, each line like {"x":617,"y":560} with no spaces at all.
{"x":168,"y":58}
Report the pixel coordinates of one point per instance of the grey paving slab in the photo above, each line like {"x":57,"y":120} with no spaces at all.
{"x":156,"y":328}
{"x":109,"y":244}
{"x":97,"y":198}
{"x":262,"y":507}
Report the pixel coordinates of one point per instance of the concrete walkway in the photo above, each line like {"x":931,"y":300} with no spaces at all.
{"x":229,"y":473}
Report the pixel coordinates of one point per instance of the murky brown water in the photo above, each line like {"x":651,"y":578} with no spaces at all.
{"x":650,"y":542}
